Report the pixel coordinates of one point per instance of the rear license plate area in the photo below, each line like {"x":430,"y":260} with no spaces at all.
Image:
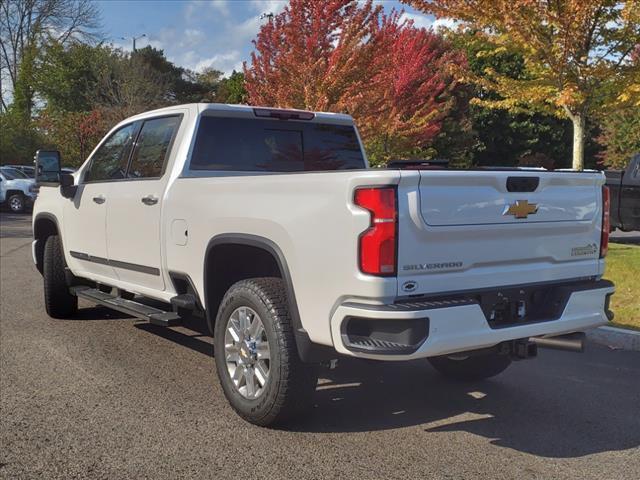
{"x":515,"y":306}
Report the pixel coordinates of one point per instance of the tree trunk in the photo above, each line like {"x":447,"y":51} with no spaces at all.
{"x":578,"y":120}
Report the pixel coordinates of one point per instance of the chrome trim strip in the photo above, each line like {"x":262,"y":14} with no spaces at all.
{"x":116,"y":263}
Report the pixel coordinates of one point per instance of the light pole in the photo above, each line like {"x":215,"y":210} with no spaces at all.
{"x":134,"y":39}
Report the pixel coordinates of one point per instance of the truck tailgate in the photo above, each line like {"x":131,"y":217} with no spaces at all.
{"x":470,"y":230}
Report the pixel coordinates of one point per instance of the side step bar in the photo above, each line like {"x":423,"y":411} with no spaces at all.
{"x":153,"y":315}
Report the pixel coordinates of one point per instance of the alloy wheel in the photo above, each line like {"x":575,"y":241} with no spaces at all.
{"x":247,"y":352}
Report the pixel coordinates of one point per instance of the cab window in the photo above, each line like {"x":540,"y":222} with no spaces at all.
{"x":152,"y":147}
{"x":110,"y":161}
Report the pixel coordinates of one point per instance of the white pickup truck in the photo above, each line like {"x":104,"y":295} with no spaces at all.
{"x":269,"y":224}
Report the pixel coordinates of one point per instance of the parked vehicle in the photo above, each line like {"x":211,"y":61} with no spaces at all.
{"x":269,"y":224}
{"x":17,"y":191}
{"x":28,"y":170}
{"x":625,"y":196}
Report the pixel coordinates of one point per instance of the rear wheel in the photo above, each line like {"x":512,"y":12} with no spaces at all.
{"x":470,"y":368}
{"x":57,"y":299}
{"x":257,"y":361}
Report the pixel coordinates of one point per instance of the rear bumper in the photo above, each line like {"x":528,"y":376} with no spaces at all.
{"x":461,"y":325}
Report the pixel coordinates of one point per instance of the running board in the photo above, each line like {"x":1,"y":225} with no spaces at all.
{"x":153,"y":315}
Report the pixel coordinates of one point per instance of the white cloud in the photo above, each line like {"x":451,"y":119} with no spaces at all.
{"x":419,"y":20}
{"x":445,"y":23}
{"x":226,"y":62}
{"x":424,"y":21}
{"x":268,"y":6}
{"x":220,"y":6}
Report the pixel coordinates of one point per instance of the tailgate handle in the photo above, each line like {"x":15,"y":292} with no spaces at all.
{"x":522,"y":184}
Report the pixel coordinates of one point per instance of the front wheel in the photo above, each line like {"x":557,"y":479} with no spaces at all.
{"x":58,"y":301}
{"x":16,"y":203}
{"x":471,"y":368}
{"x":257,"y":360}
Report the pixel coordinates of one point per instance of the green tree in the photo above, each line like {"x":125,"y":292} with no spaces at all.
{"x":25,"y":27}
{"x":130,"y":85}
{"x":183,"y":85}
{"x":504,"y":137}
{"x":19,"y":138}
{"x":620,"y":137}
{"x":68,"y":77}
{"x":573,"y":50}
{"x":232,"y":89}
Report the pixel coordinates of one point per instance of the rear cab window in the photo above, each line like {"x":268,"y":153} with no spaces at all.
{"x":261,"y":145}
{"x":152,"y":147}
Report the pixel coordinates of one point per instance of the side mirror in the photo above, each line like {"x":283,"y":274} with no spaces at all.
{"x":67,"y":187}
{"x":47,"y":167}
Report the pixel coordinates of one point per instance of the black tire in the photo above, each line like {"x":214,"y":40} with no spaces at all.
{"x":16,"y":202}
{"x":472,"y":368}
{"x":291,"y":383}
{"x":57,"y":299}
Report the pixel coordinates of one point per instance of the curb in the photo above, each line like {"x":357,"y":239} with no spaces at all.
{"x":616,"y":338}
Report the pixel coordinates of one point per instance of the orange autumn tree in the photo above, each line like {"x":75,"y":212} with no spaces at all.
{"x":575,"y":52}
{"x":346,"y":56}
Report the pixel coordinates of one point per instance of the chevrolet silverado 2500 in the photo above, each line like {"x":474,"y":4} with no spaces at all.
{"x":269,"y":224}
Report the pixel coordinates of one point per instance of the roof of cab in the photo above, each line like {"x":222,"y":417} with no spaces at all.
{"x":242,"y":111}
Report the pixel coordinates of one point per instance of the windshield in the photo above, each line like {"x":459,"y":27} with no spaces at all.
{"x":12,"y":173}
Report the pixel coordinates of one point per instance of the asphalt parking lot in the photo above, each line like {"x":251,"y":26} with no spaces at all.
{"x":107,"y":396}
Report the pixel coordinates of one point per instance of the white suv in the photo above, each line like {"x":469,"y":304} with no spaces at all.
{"x":17,"y":190}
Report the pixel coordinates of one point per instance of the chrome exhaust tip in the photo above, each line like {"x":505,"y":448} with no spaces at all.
{"x":570,"y":342}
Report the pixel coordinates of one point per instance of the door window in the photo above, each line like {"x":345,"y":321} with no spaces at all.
{"x":152,"y":147}
{"x":109,"y":162}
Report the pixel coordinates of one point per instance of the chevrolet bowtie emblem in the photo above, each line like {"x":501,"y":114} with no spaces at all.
{"x":521,"y":209}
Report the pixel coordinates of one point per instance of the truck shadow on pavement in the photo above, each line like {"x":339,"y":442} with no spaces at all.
{"x":560,"y":405}
{"x":530,"y":408}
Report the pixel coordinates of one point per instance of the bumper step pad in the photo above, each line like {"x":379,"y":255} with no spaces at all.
{"x":368,"y":344}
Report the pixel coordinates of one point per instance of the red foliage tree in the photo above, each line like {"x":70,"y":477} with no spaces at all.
{"x":75,"y":134}
{"x":311,"y":53}
{"x":411,"y":89}
{"x":344,"y":56}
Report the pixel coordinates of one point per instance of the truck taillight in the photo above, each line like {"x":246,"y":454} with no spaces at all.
{"x":606,"y":221}
{"x":378,"y":242}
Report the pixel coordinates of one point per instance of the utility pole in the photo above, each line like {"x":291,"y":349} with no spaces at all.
{"x":269,"y":16}
{"x":134,"y":39}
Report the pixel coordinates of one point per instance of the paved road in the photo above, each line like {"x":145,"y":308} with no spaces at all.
{"x":106,"y":396}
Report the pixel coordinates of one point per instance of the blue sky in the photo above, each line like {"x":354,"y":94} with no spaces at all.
{"x":197,"y":34}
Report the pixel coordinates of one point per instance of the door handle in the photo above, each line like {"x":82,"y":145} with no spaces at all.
{"x":99,"y":199}
{"x":149,"y":200}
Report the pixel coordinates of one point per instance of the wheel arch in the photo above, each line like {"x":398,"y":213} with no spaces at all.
{"x":269,"y":260}
{"x":14,"y":191}
{"x":44,"y":225}
{"x":272,"y":262}
{"x":268,"y":249}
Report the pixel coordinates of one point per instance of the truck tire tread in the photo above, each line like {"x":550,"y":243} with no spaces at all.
{"x":289,"y":393}
{"x":59,"y":302}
